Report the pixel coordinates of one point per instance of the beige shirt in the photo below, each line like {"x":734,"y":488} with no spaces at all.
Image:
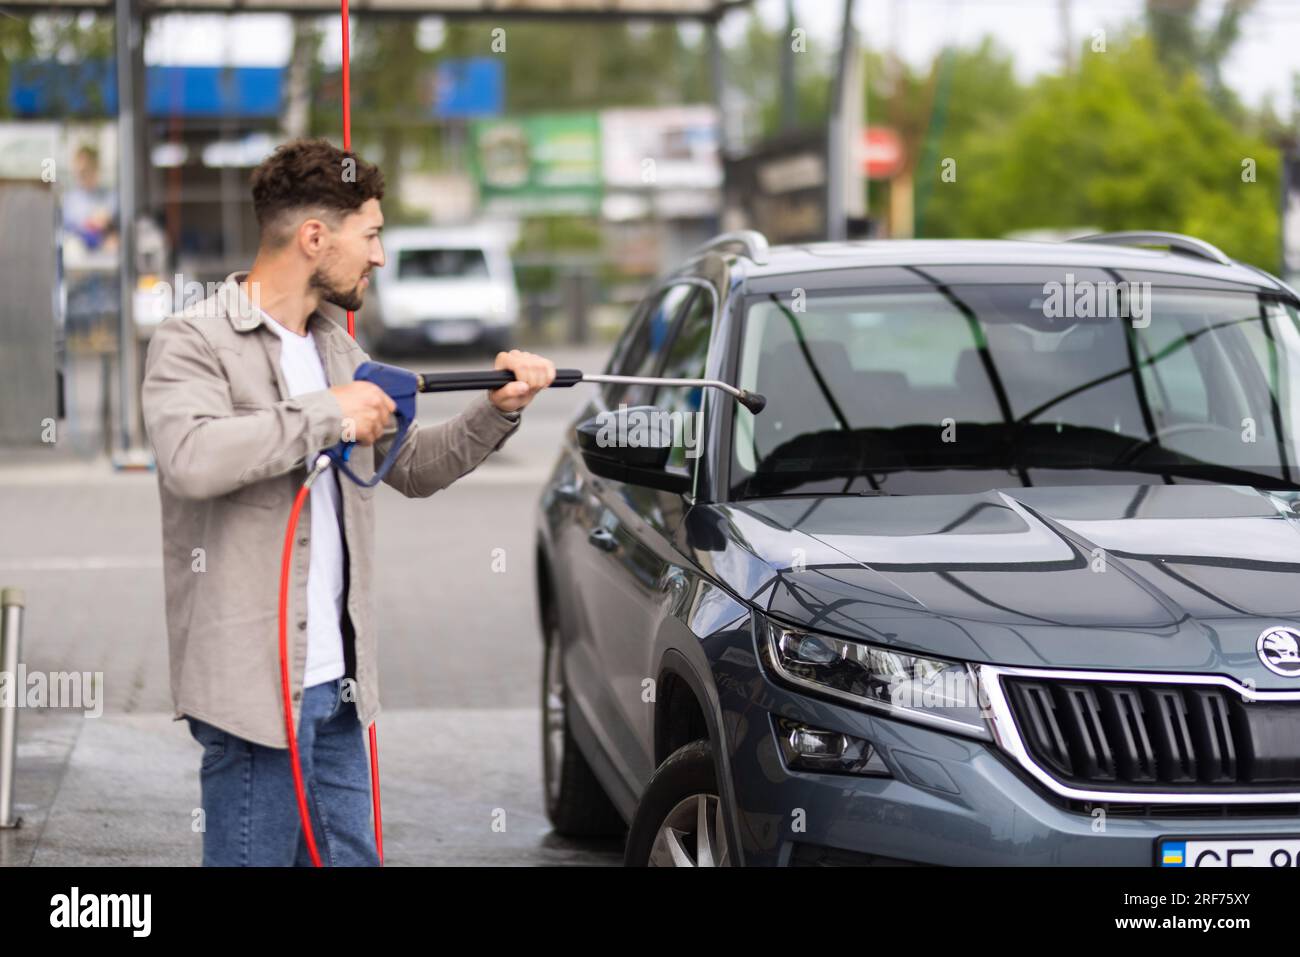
{"x":304,"y":371}
{"x":230,"y":445}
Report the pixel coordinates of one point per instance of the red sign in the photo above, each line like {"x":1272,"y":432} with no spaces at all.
{"x":880,"y":153}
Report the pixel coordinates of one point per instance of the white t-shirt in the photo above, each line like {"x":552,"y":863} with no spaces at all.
{"x":303,"y":371}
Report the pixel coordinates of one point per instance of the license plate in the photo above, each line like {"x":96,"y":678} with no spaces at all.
{"x":451,"y":332}
{"x":1280,"y":851}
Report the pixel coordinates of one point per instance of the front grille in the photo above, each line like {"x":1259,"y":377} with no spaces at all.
{"x":1136,"y":737}
{"x":1224,"y":811}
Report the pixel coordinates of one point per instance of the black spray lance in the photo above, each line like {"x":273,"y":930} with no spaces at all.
{"x":401,"y":385}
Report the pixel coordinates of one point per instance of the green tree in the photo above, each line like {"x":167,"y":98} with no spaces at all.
{"x":580,"y":64}
{"x":16,"y":45}
{"x":549,"y":66}
{"x":65,"y":37}
{"x":966,"y":92}
{"x":754,"y":70}
{"x":1118,"y":145}
{"x":1183,"y":46}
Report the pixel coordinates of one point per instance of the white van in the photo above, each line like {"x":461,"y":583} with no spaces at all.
{"x":440,"y":287}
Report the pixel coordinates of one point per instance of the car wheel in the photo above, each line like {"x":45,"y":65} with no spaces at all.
{"x":679,"y":820}
{"x":575,"y":801}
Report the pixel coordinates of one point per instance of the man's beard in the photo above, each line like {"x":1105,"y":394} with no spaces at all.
{"x":350,"y":299}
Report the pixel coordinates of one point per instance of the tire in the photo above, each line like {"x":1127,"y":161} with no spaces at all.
{"x":576,"y":803}
{"x":665,"y":830}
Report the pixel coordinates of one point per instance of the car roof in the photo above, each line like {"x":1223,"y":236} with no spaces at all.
{"x":793,"y":258}
{"x":437,"y":237}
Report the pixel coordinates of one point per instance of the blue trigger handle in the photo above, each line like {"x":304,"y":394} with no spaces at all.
{"x":401,"y":386}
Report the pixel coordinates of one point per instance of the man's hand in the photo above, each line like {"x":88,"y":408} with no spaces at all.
{"x":532,"y":374}
{"x":366,"y":411}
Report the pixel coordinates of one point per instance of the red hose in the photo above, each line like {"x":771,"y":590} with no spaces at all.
{"x":374,"y":793}
{"x":347,"y":145}
{"x":347,"y":84}
{"x":286,"y":563}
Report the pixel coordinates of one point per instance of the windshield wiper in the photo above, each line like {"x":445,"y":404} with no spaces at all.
{"x":1204,"y":471}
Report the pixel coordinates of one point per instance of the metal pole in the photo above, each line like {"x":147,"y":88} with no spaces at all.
{"x":11,"y":631}
{"x":789,"y":105}
{"x":717,"y":83}
{"x":854,"y":109}
{"x":127,"y":46}
{"x":836,"y":140}
{"x":1067,"y":35}
{"x":1290,"y":231}
{"x":578,"y":307}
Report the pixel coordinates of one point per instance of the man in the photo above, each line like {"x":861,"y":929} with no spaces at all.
{"x":241,"y":393}
{"x":90,"y":239}
{"x":89,"y":209}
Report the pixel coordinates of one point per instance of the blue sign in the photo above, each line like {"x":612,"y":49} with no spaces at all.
{"x":50,"y":89}
{"x":470,"y":87}
{"x":243,"y":91}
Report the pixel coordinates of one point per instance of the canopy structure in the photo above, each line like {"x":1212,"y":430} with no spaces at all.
{"x":677,"y":9}
{"x":130,"y":83}
{"x":131,"y":106}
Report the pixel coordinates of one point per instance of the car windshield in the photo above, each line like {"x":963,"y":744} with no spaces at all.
{"x":963,"y":388}
{"x":441,"y":264}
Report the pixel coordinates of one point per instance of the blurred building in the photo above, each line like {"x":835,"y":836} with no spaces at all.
{"x":207,"y":127}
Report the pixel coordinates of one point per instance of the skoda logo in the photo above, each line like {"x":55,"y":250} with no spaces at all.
{"x":1279,"y":649}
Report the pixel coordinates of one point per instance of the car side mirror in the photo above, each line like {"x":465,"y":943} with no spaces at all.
{"x":632,"y":445}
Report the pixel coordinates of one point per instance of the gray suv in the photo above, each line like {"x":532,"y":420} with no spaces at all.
{"x":1004,"y":573}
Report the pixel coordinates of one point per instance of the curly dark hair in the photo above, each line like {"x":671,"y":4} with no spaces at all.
{"x":310,"y":176}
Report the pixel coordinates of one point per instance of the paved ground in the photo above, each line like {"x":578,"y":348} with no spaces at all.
{"x":460,"y":657}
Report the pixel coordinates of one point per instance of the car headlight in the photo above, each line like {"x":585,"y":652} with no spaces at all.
{"x":932,"y":691}
{"x":807,"y":747}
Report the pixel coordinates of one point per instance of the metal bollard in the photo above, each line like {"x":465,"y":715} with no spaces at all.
{"x":578,"y":302}
{"x":11,"y":630}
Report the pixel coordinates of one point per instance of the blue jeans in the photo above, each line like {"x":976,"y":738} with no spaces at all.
{"x":249,"y":807}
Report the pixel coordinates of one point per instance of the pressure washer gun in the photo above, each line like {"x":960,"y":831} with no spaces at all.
{"x":401,"y":385}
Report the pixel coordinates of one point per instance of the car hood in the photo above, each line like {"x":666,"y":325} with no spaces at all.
{"x":442,"y":298}
{"x":1181,"y":578}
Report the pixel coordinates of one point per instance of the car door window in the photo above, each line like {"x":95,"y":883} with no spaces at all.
{"x":441,"y":264}
{"x":686,"y":358}
{"x":645,"y":346}
{"x":626,"y":338}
